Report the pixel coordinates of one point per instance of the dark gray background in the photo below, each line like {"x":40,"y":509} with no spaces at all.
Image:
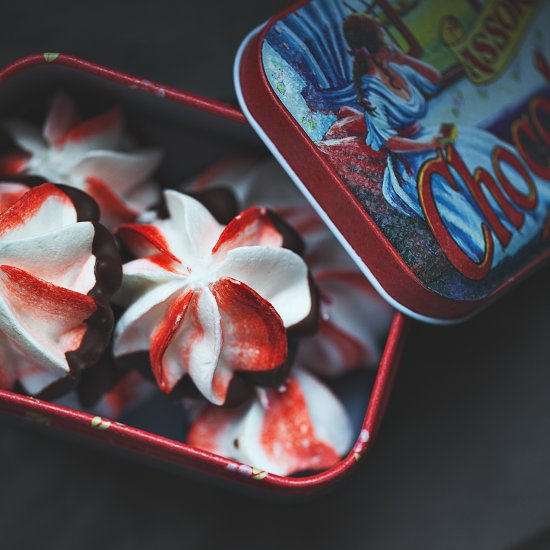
{"x":463,"y":457}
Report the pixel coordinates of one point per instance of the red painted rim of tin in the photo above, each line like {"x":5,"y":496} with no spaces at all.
{"x":381,"y":261}
{"x":175,"y":452}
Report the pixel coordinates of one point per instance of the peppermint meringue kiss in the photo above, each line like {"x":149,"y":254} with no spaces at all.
{"x":92,"y":155}
{"x":209,"y":301}
{"x":58,"y":268}
{"x":298,"y":427}
{"x":354,"y":318}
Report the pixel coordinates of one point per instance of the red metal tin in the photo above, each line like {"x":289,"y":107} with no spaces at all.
{"x":425,"y":152}
{"x":38,"y":75}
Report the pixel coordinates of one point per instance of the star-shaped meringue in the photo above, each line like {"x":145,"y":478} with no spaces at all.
{"x":354,"y":318}
{"x":207,"y":300}
{"x":299,"y":426}
{"x":92,"y":155}
{"x":51,"y":296}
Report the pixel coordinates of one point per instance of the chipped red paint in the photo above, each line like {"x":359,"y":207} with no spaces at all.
{"x":145,"y":240}
{"x":164,"y":336}
{"x":253,"y":333}
{"x":93,"y":126}
{"x":252,"y":227}
{"x":288,"y":436}
{"x":29,"y":205}
{"x":111,"y":204}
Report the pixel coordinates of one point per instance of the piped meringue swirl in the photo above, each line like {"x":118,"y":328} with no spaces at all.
{"x":298,"y":427}
{"x":354,"y":318}
{"x":92,"y":155}
{"x":54,"y":316}
{"x":207,"y":300}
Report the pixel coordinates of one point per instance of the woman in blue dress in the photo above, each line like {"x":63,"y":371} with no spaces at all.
{"x":393,"y":88}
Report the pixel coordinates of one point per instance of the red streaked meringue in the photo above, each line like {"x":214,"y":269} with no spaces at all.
{"x":127,"y":394}
{"x":11,"y":192}
{"x":91,"y":155}
{"x":54,"y":316}
{"x":207,"y":300}
{"x":354,"y":318}
{"x":298,"y":427}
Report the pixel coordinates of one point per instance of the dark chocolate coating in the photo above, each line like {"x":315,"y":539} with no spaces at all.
{"x":291,"y":238}
{"x":108,"y":274}
{"x":86,"y":208}
{"x":220,"y":201}
{"x":310,"y":324}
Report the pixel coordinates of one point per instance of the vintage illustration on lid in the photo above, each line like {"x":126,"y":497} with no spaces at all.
{"x":436,"y":115}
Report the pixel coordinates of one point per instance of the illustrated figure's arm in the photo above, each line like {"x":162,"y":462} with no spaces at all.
{"x":398,"y":144}
{"x":426,"y":70}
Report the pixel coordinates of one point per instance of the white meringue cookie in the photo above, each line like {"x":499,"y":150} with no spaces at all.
{"x":300,"y":426}
{"x":354,"y":318}
{"x":91,"y":155}
{"x":207,"y":300}
{"x":47,"y":267}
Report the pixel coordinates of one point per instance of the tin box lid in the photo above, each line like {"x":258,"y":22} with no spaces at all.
{"x":420,"y":132}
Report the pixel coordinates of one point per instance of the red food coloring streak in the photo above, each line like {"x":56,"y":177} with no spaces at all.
{"x":250,"y":228}
{"x":353,"y":352}
{"x":288,"y":437}
{"x":145,"y":240}
{"x":163,"y":337}
{"x":196,"y":332}
{"x":93,"y":126}
{"x":254,"y":337}
{"x":220,"y":384}
{"x":28,"y":206}
{"x":125,"y":394}
{"x":165,"y":262}
{"x":9,"y":198}
{"x":110,"y":204}
{"x":210,"y":426}
{"x":12,"y":165}
{"x":43,"y":298}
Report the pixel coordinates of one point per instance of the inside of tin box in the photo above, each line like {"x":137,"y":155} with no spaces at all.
{"x":192,"y":140}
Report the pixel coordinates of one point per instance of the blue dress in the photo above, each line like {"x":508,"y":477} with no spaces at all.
{"x":461,"y":215}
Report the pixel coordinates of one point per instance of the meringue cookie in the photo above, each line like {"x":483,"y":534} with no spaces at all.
{"x":91,"y":155}
{"x":10,"y":193}
{"x":127,"y":394}
{"x":300,"y":426}
{"x":56,"y":273}
{"x":354,"y":318}
{"x":208,"y":300}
